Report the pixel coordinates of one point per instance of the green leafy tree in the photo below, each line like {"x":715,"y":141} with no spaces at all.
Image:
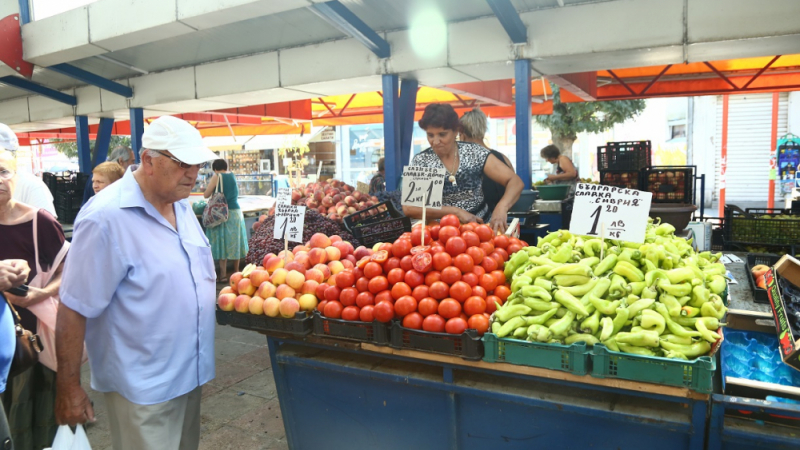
{"x":569,"y":119}
{"x":70,"y":148}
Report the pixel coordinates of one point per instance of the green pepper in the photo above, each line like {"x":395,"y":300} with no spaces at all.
{"x":708,"y":310}
{"x":495,"y":327}
{"x":630,"y":255}
{"x":634,"y":350}
{"x":665,"y":229}
{"x":620,"y":319}
{"x":544,"y":284}
{"x":606,"y":307}
{"x":539,"y":305}
{"x":570,"y":280}
{"x":639,"y":305}
{"x":510,"y":326}
{"x":590,"y":261}
{"x":520,"y":333}
{"x":591,"y":323}
{"x":521,"y":269}
{"x":606,"y":264}
{"x":593,"y":247}
{"x":640,"y":339}
{"x":655,"y":254}
{"x":653,"y":276}
{"x":536,"y":292}
{"x":676,"y":276}
{"x":675,"y":355}
{"x":712,"y":323}
{"x":684,"y":300}
{"x":543,"y":261}
{"x":539,"y":333}
{"x":538,"y":271}
{"x":689,"y":311}
{"x":583,"y":289}
{"x":563,"y":254}
{"x":607,"y":328}
{"x":570,"y":302}
{"x":653,"y":321}
{"x":700,"y":295}
{"x":550,"y":237}
{"x":587,"y":338}
{"x":649,"y":292}
{"x":570,"y":269}
{"x":637,"y":287}
{"x":516,"y":261}
{"x":506,"y":313}
{"x":699,"y":348}
{"x":672,"y":304}
{"x":601,"y":288}
{"x":611,"y":344}
{"x":677,"y":290}
{"x":648,"y":267}
{"x":705,"y":333}
{"x":514,"y":301}
{"x":541,"y":318}
{"x":519,"y":282}
{"x":561,"y":326}
{"x":533,"y":251}
{"x":714,"y":269}
{"x":717,"y":284}
{"x":618,"y":287}
{"x":682,"y":340}
{"x":628,"y":271}
{"x":561,"y":312}
{"x":673,"y":326}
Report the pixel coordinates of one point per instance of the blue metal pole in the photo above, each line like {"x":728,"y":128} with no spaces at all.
{"x":137,"y":129}
{"x":408,"y":104}
{"x":391,"y":132}
{"x":90,"y":78}
{"x":38,"y":89}
{"x":84,"y":147}
{"x":103,"y":140}
{"x":24,"y":12}
{"x":522,"y":98}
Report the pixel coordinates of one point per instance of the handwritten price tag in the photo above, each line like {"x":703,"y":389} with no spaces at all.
{"x":621,"y":212}
{"x":422,"y":186}
{"x":284,"y":196}
{"x":289,"y":221}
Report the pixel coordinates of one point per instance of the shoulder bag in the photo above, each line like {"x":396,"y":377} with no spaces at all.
{"x":28,"y":347}
{"x":216,"y":211}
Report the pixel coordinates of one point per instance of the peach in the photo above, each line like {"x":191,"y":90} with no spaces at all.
{"x":334,"y":254}
{"x":300,"y":248}
{"x":235,"y":278}
{"x":295,"y":279}
{"x":309,"y":287}
{"x":332,"y":280}
{"x":303,"y":259}
{"x":266,"y":290}
{"x":286,"y":256}
{"x":361,"y":252}
{"x":246,"y":287}
{"x":350,"y":258}
{"x":317,"y":256}
{"x":336,"y":266}
{"x":274,"y":263}
{"x":272,"y":306}
{"x":226,"y":290}
{"x":284,"y":291}
{"x":256,"y":305}
{"x":336,"y":238}
{"x":242,"y":304}
{"x":315,"y":274}
{"x":226,"y":301}
{"x":319,"y":240}
{"x":344,"y":248}
{"x":279,"y":276}
{"x":320,"y":291}
{"x":307,"y":302}
{"x":295,"y":266}
{"x":258,"y":276}
{"x":289,"y":307}
{"x":347,"y":264}
{"x":266,"y":258}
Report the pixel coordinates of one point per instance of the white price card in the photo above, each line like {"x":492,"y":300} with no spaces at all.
{"x":422,"y":186}
{"x":621,"y":212}
{"x":284,"y":196}
{"x":289,"y":221}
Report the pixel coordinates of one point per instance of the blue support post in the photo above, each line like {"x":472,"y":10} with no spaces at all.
{"x":522,"y":98}
{"x":24,"y":12}
{"x":102,"y":141}
{"x":38,"y":89}
{"x":84,"y":147}
{"x":90,"y":78}
{"x":408,"y":105}
{"x":391,"y":132}
{"x":137,"y":129}
{"x":348,"y":23}
{"x":509,"y":18}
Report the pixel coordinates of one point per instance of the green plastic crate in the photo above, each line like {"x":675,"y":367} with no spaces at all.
{"x":553,"y":191}
{"x":696,"y":375}
{"x":567,"y":358}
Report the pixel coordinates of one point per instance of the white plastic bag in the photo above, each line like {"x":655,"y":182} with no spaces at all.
{"x":67,"y":440}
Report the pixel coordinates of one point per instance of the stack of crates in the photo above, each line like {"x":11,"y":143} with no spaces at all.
{"x":67,"y":189}
{"x":621,"y":163}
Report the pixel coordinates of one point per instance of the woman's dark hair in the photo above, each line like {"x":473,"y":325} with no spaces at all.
{"x":551,"y":151}
{"x":381,"y":165}
{"x":219,"y":164}
{"x":440,"y":115}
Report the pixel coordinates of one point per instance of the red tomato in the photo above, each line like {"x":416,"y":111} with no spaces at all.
{"x":489,"y":264}
{"x":351,"y":313}
{"x":460,"y":291}
{"x":471,"y":238}
{"x":391,"y":263}
{"x":478,"y":270}
{"x":455,"y":325}
{"x":449,"y":308}
{"x":498,"y":258}
{"x":332,"y":293}
{"x":395,"y":276}
{"x":381,"y":256}
{"x":502,"y":252}
{"x":428,"y":306}
{"x":372,"y":270}
{"x":420,"y":249}
{"x":406,"y":263}
{"x":432,"y":277}
{"x":479,"y":291}
{"x":365,"y":298}
{"x":377,"y":284}
{"x":466,"y":227}
{"x":487,"y":247}
{"x":433,"y":323}
{"x":491,"y":303}
{"x":434,"y":231}
{"x":464,"y":263}
{"x":470,"y":278}
{"x":400,"y":289}
{"x":502,"y":291}
{"x":385,"y":247}
{"x":500,"y":241}
{"x":436,"y":248}
{"x":479,"y":323}
{"x":383,"y":311}
{"x":414,"y":278}
{"x":446,"y":233}
{"x":477,"y":254}
{"x":474,"y":305}
{"x":455,"y":246}
{"x":333,"y":310}
{"x":488,"y":282}
{"x":513,"y":248}
{"x":405,"y":305}
{"x":484,"y":233}
{"x":442,"y":260}
{"x":413,"y":321}
{"x":362,"y":262}
{"x":362,"y":284}
{"x":439,"y":290}
{"x":321,"y":306}
{"x":406,"y":235}
{"x":348,"y":296}
{"x":499,"y":276}
{"x":422,"y":262}
{"x":420,"y":292}
{"x":401,"y":247}
{"x":359,"y":272}
{"x":366,"y":314}
{"x":345,"y":278}
{"x":416,"y":236}
{"x":450,"y":220}
{"x":384,"y":296}
{"x":450,"y":275}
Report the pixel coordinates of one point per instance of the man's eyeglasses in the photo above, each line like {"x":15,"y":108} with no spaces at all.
{"x":181,"y":163}
{"x":6,"y":174}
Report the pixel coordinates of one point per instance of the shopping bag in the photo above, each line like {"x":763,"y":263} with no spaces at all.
{"x":67,"y":440}
{"x":216,"y":212}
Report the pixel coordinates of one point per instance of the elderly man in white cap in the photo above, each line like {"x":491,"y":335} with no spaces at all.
{"x":139,"y":286}
{"x":30,"y":190}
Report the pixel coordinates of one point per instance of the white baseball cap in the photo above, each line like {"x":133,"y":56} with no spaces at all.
{"x":8,"y":140}
{"x":179,"y":138}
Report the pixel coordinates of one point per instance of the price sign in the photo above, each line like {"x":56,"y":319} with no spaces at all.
{"x":621,"y":213}
{"x":422,"y":186}
{"x":289,"y":221}
{"x":284,"y":196}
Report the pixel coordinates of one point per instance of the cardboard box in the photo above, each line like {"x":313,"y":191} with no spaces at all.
{"x":788,"y":268}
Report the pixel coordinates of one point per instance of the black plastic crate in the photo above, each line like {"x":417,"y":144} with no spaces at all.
{"x":669,"y":184}
{"x":467,"y":345}
{"x":378,"y":223}
{"x":66,"y":216}
{"x":68,"y":200}
{"x":628,"y":179}
{"x":752,"y":260}
{"x":300,"y":325}
{"x":760,"y":226}
{"x":374,"y":332}
{"x":631,"y":155}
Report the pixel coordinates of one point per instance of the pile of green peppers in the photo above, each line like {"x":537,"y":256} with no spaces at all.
{"x":660,"y":298}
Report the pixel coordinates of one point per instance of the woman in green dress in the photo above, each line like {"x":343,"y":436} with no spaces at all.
{"x":229,"y":239}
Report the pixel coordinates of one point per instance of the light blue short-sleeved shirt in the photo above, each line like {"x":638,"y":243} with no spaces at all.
{"x":148,"y":293}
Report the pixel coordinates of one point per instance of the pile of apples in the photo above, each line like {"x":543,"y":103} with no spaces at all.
{"x":333,"y":199}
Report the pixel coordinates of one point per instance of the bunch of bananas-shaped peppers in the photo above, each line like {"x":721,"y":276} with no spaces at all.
{"x":660,"y":298}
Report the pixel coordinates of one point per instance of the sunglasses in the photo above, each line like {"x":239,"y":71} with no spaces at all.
{"x":181,"y":163}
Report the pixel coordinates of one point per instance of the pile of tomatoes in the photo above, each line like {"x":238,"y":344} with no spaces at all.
{"x":451,"y":282}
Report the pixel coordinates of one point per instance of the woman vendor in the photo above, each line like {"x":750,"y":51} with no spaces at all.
{"x":565,"y":170}
{"x":465,"y":164}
